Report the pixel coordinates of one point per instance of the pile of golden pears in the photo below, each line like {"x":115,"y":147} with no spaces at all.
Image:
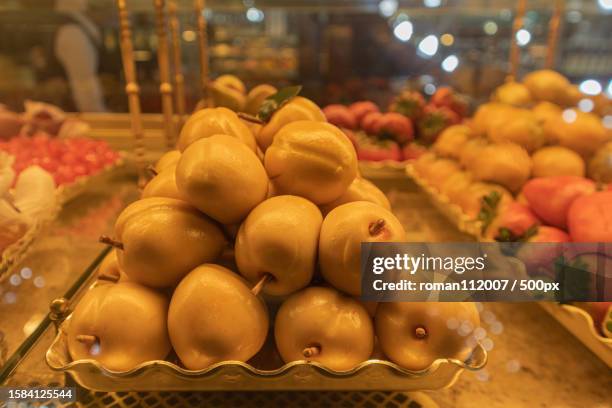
{"x":241,"y":219}
{"x":529,"y":129}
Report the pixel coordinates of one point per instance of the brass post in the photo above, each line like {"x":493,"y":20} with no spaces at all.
{"x":200,"y":6}
{"x":553,"y":33}
{"x":515,"y":52}
{"x":179,"y":79}
{"x":132,"y":89}
{"x":165,"y":87}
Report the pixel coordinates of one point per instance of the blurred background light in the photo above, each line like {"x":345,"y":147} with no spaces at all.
{"x":254,"y":15}
{"x":432,"y":3}
{"x":490,"y":27}
{"x":447,"y":39}
{"x":429,"y":89}
{"x":590,"y":87}
{"x":387,"y":8}
{"x":569,"y":115}
{"x":523,"y":37}
{"x":403,"y":31}
{"x":586,"y":105}
{"x":605,"y":4}
{"x":429,"y":45}
{"x":450,"y":63}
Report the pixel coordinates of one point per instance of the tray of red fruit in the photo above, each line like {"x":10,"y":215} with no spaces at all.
{"x":387,"y":141}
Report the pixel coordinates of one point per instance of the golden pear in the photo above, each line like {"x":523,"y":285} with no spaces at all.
{"x":320,"y":324}
{"x":521,"y":127}
{"x":579,"y":131}
{"x":163,"y":185}
{"x":451,"y":140}
{"x":359,"y":190}
{"x":439,"y":171}
{"x":314,"y":160}
{"x":229,"y":91}
{"x":557,"y":161}
{"x":215,"y":317}
{"x":512,"y":93}
{"x":109,"y":270}
{"x":221,"y":177}
{"x":120,"y":325}
{"x":343,"y":231}
{"x":161,"y":239}
{"x":470,"y":150}
{"x":279,"y":239}
{"x":415,"y":334}
{"x":170,"y":158}
{"x":298,"y":108}
{"x":455,"y":185}
{"x":214,"y":121}
{"x":507,"y":164}
{"x":256,"y":96}
{"x":547,"y":85}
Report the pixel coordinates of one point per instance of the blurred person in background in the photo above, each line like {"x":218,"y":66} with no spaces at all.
{"x":63,"y":49}
{"x":77,"y":44}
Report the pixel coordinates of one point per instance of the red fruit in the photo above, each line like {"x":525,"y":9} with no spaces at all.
{"x":409,"y":104}
{"x":514,"y":222}
{"x":396,"y":126}
{"x":340,"y":116}
{"x":551,"y":197}
{"x":386,"y":150}
{"x":589,"y":218}
{"x":371,"y":123}
{"x":447,"y":97}
{"x":413,"y":151}
{"x":542,"y":250}
{"x":362,"y":108}
{"x":434,"y":120}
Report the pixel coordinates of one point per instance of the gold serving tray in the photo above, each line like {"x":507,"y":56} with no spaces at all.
{"x":383,"y":168}
{"x":161,"y":375}
{"x":451,"y":211}
{"x":235,"y":375}
{"x":580,"y":324}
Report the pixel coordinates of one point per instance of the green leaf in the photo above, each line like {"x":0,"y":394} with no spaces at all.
{"x":275,"y":101}
{"x":531,"y":231}
{"x":488,"y":209}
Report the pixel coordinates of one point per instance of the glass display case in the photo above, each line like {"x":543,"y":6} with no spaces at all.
{"x":206,"y":173}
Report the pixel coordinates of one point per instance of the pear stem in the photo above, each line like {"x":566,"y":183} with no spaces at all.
{"x":250,"y":118}
{"x":151,"y":169}
{"x":259,"y":285}
{"x":376,"y":227}
{"x":420,"y":332}
{"x":108,"y":277}
{"x":110,"y":241}
{"x":87,"y":339}
{"x":311,"y":351}
{"x":13,"y":206}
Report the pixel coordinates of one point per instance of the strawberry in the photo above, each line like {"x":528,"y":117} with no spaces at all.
{"x":514,"y":222}
{"x":397,"y":127}
{"x":379,"y":151}
{"x":340,"y":116}
{"x":434,"y":120}
{"x":589,"y":218}
{"x":371,"y":123}
{"x":362,"y":108}
{"x":551,"y":197}
{"x":447,"y":97}
{"x":408,"y":103}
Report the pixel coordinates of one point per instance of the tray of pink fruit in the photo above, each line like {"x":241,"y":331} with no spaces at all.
{"x":387,"y":141}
